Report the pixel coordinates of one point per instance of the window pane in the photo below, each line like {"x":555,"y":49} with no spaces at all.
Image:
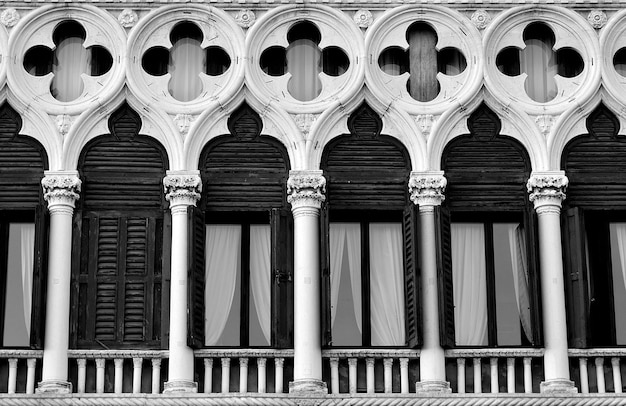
{"x":470,"y":287}
{"x":19,"y":285}
{"x":260,"y":285}
{"x":71,"y":60}
{"x":223,"y":285}
{"x":187,"y":60}
{"x":345,"y":274}
{"x":386,"y":284}
{"x":618,"y":260}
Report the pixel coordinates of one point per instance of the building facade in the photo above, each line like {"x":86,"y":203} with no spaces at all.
{"x":312,"y":202}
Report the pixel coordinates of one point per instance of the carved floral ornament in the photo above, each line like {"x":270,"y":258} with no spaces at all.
{"x":185,"y":187}
{"x":363,"y":18}
{"x":481,"y":19}
{"x":9,"y":17}
{"x":61,"y":187}
{"x":128,"y":18}
{"x":427,"y":189}
{"x":547,"y":188}
{"x":597,"y":19}
{"x":306,"y":187}
{"x":245,"y":18}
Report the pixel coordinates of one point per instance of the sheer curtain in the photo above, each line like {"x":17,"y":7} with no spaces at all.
{"x":470,"y":283}
{"x":346,"y":236}
{"x":260,"y":276}
{"x":620,"y":231}
{"x":538,"y":60}
{"x":27,"y":237}
{"x":223,"y":247}
{"x":303,"y":62}
{"x":187,"y":60}
{"x":72,"y":60}
{"x":519,"y":265}
{"x":386,"y":284}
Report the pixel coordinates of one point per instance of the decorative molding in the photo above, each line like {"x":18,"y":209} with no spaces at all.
{"x":9,"y":17}
{"x":245,"y":18}
{"x":61,"y":189}
{"x":183,"y":122}
{"x":363,"y":18}
{"x":545,"y":123}
{"x":426,"y":189}
{"x":127,"y":18}
{"x":306,"y":189}
{"x":64,"y":123}
{"x":597,"y":19}
{"x":182,"y":189}
{"x":547,"y":188}
{"x":481,"y":19}
{"x":425,"y":123}
{"x":305,"y":121}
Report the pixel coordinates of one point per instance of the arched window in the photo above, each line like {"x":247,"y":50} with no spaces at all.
{"x":243,"y":233}
{"x":368,"y":230}
{"x":23,"y":235}
{"x":118,"y":253}
{"x":489,"y":264}
{"x":594,"y":230}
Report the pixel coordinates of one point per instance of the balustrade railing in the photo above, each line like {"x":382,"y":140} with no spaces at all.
{"x":597,"y":370}
{"x":494,"y":370}
{"x":21,"y":368}
{"x":243,"y":371}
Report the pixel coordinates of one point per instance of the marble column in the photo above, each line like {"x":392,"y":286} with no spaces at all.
{"x":60,"y":190}
{"x":426,"y":190}
{"x":547,"y":191}
{"x":305,"y":193}
{"x":182,"y":189}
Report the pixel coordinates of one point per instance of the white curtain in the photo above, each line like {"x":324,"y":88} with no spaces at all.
{"x":470,"y":283}
{"x":186,"y":62}
{"x":223,"y":247}
{"x":538,"y":60}
{"x":303,"y":62}
{"x":261,"y":276}
{"x":27,"y":238}
{"x":386,"y":284}
{"x":346,"y":236}
{"x":620,"y":230}
{"x":72,"y":59}
{"x":519,"y":265}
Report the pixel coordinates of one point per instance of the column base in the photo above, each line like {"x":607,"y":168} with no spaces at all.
{"x":432,"y":387}
{"x":54,"y":386}
{"x":308,"y":387}
{"x":180,"y":386}
{"x":558,"y":386}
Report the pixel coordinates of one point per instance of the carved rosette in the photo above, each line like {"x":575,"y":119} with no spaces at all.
{"x":547,"y":189}
{"x":245,"y":18}
{"x":61,"y":189}
{"x":481,"y":19}
{"x":597,"y":19}
{"x":427,"y":189}
{"x":306,"y":189}
{"x":363,"y":18}
{"x":9,"y":17}
{"x":182,"y":189}
{"x":127,"y":18}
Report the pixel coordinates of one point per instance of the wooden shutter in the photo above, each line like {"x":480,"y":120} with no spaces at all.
{"x":575,"y":264}
{"x":326,"y":321}
{"x":282,"y":279}
{"x":196,"y":279}
{"x":38,"y":312}
{"x":412,"y":277}
{"x":534,"y":275}
{"x":444,"y":277}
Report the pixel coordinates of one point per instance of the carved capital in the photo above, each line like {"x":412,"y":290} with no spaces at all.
{"x":61,"y":189}
{"x":547,"y":188}
{"x":183,"y":189}
{"x":426,"y":189}
{"x":306,"y":189}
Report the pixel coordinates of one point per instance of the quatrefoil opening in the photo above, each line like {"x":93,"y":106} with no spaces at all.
{"x":185,"y":61}
{"x":540,"y":62}
{"x":68,"y":61}
{"x":619,"y":61}
{"x":423,"y":61}
{"x":304,"y":60}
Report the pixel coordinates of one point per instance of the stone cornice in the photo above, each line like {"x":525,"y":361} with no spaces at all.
{"x":306,"y":189}
{"x":426,"y":189}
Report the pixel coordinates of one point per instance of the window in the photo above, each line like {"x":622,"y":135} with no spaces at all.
{"x":489,"y":285}
{"x":242,"y":241}
{"x":369,"y":263}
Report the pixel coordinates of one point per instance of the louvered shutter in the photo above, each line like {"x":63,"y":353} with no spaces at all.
{"x":534,"y":275}
{"x":444,"y":277}
{"x":282,"y":279}
{"x":196,"y":278}
{"x":326,"y":321}
{"x":38,"y":312}
{"x":575,"y":264}
{"x":412,"y":276}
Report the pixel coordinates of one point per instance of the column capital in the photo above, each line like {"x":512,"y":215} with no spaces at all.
{"x":61,"y":188}
{"x":306,"y":189}
{"x":547,"y":188}
{"x":182,"y":188}
{"x":426,"y":188}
